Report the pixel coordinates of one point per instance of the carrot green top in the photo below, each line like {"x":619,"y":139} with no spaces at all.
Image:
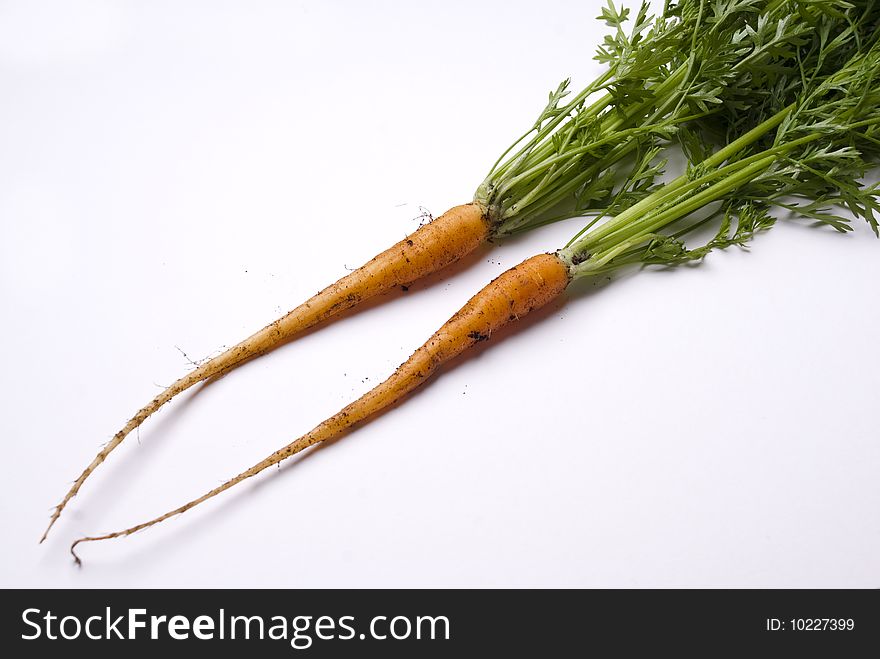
{"x":806,"y":158}
{"x":724,"y":63}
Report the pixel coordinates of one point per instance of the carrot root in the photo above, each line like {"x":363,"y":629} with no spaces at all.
{"x":515,"y":293}
{"x":432,"y":247}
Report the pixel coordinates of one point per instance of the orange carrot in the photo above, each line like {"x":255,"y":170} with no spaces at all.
{"x":516,"y":292}
{"x":431,"y":248}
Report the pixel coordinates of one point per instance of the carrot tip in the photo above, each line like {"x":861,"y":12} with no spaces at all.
{"x":76,"y":559}
{"x":46,"y":532}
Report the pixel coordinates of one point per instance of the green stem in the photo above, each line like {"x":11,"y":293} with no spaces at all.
{"x":544,"y":131}
{"x":546,"y":196}
{"x":714,"y":192}
{"x":542,"y":151}
{"x":728,"y":170}
{"x":590,"y":241}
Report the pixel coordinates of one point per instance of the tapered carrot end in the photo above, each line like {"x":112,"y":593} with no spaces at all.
{"x":76,"y":559}
{"x":51,"y":524}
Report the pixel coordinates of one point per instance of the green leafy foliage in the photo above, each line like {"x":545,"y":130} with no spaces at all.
{"x":810,"y":157}
{"x":720,"y":66}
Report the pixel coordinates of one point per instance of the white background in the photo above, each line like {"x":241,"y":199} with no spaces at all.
{"x":177,"y":174}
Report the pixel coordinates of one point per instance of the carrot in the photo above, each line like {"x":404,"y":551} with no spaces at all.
{"x":662,"y":75}
{"x":432,"y":247}
{"x":773,"y":160}
{"x":515,"y":293}
{"x":629,"y":238}
{"x":534,"y":182}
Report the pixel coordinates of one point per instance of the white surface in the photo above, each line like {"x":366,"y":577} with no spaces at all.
{"x":178,"y":174}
